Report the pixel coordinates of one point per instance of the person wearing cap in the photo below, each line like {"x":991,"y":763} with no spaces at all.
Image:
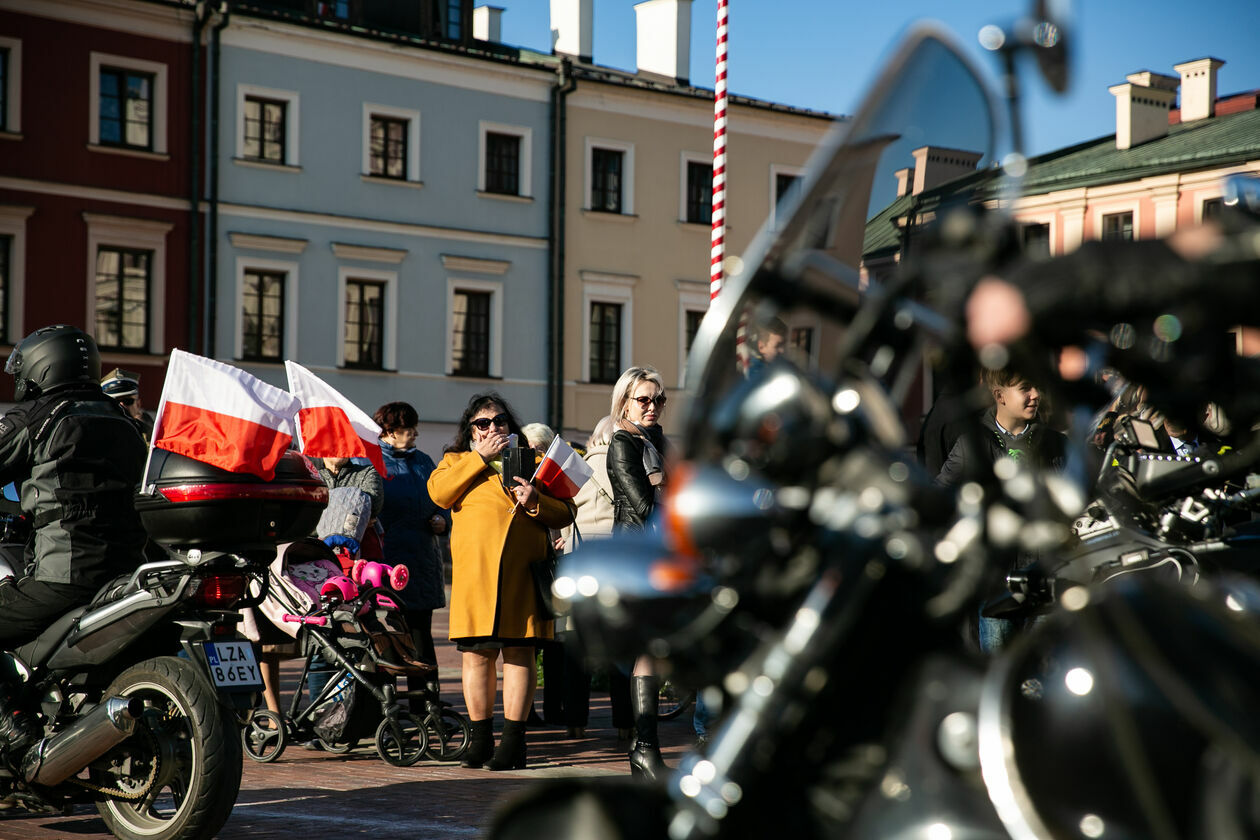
{"x":124,"y":386}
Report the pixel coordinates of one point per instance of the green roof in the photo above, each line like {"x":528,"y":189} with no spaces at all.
{"x":1202,"y":144}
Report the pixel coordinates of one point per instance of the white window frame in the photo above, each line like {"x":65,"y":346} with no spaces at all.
{"x":412,"y":117}
{"x":607,"y":288}
{"x":13,"y":86}
{"x":292,"y":122}
{"x":814,"y":324}
{"x":495,"y":288}
{"x":1050,"y":218}
{"x":684,"y":159}
{"x":1199,"y":200}
{"x":1133,"y":206}
{"x":689,"y":300}
{"x":777,"y":169}
{"x":13,"y":224}
{"x":160,"y":108}
{"x":290,"y":271}
{"x":627,"y":172}
{"x":138,"y":234}
{"x":526,"y":135}
{"x":389,"y":342}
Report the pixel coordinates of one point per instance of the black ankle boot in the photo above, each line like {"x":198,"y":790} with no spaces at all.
{"x":480,"y":743}
{"x":645,"y":758}
{"x":18,"y":728}
{"x":510,"y":754}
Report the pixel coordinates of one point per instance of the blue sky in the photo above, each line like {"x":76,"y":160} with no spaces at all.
{"x":823,"y":54}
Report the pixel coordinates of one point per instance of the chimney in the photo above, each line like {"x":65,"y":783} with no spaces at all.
{"x":936,"y":164}
{"x":1142,"y":106}
{"x":486,"y":23}
{"x":572,"y":28}
{"x":905,"y":180}
{"x":664,"y":39}
{"x":1198,"y":88}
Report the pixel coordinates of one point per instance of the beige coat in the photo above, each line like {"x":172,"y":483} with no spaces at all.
{"x":491,"y":548}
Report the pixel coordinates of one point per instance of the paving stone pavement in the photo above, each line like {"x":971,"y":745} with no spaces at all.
{"x":307,"y":793}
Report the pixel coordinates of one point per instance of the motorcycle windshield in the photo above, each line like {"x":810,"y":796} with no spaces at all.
{"x":794,"y":301}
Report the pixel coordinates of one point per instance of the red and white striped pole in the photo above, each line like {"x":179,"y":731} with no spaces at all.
{"x":717,"y":243}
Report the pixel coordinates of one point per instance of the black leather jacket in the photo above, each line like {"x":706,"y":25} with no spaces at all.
{"x":634,"y":497}
{"x":76,"y":458}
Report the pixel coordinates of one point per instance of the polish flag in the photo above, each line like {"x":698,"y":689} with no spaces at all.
{"x":562,"y":472}
{"x":329,"y":425}
{"x":222,"y":416}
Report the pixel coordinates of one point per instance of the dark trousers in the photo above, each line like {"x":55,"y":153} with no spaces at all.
{"x":619,"y":697}
{"x":566,"y":684}
{"x":29,"y":606}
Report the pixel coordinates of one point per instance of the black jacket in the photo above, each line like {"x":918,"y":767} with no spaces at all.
{"x":634,"y":497}
{"x":1039,"y":445}
{"x":76,"y":458}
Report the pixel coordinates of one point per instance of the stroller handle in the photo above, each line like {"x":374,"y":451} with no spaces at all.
{"x":321,"y":620}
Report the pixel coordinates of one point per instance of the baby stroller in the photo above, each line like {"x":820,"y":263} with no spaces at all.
{"x":357,"y":628}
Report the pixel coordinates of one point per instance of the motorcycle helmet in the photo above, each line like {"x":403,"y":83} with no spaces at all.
{"x":52,"y":357}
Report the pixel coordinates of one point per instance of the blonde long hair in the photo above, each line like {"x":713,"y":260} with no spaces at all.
{"x":627,"y":382}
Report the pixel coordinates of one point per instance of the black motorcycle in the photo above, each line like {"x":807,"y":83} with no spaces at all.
{"x":142,"y":691}
{"x":817,"y":585}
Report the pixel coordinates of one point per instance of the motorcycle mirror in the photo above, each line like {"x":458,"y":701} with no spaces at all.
{"x":1050,"y":22}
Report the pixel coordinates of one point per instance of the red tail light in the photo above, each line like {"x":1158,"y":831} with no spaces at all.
{"x":260,"y":492}
{"x":219,"y":591}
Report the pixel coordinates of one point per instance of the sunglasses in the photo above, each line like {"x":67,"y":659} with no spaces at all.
{"x":644,"y":402}
{"x":484,"y":423}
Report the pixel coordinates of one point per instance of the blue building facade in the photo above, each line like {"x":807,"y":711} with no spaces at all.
{"x":382,"y":216}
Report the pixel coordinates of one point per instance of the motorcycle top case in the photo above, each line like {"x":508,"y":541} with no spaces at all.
{"x":196,"y":505}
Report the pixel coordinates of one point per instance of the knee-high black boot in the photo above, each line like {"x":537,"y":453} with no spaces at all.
{"x":510,"y":754}
{"x":480,"y":743}
{"x":645,"y":758}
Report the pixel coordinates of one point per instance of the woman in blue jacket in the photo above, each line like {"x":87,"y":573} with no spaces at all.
{"x":412,"y":523}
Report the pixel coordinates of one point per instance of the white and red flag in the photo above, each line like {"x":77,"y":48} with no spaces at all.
{"x":329,"y":425}
{"x":221,"y":415}
{"x":562,"y":471}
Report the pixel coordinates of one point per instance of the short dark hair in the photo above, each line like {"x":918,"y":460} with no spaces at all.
{"x":767,"y":327}
{"x":396,"y":415}
{"x":463,"y":432}
{"x":1003,"y":378}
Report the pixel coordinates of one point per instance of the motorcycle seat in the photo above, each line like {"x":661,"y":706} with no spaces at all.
{"x":34,"y":653}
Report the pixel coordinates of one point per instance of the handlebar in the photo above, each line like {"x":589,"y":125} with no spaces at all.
{"x":321,"y":620}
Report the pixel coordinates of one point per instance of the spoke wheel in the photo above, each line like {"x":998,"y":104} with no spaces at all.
{"x":264,"y":737}
{"x":401,"y":741}
{"x":193,"y":742}
{"x":448,"y":735}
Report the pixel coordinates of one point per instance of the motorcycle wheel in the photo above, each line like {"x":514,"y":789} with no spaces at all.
{"x":190,"y":737}
{"x":448,"y":735}
{"x":673,"y":702}
{"x":263,"y":737}
{"x":401,"y":741}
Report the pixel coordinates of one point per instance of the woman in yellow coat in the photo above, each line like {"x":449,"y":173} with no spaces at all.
{"x":495,"y":533}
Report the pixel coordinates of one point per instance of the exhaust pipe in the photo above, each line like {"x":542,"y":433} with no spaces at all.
{"x":60,"y":756}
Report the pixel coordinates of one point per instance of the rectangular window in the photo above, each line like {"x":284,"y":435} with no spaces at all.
{"x":455,"y":19}
{"x":1117,"y":226}
{"x":126,"y":108}
{"x":122,"y":298}
{"x":262,"y":316}
{"x":1212,"y":208}
{"x":388,"y":155}
{"x":4,"y":89}
{"x":606,"y":168}
{"x":471,"y":334}
{"x":6,"y":286}
{"x":1036,"y":241}
{"x":801,"y":343}
{"x":694,"y":317}
{"x":605,"y":341}
{"x":503,"y":163}
{"x":333,"y":9}
{"x":783,"y":185}
{"x":365,"y":337}
{"x":264,"y":129}
{"x":699,"y":193}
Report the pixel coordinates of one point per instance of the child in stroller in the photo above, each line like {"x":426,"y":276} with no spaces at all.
{"x":353,"y":624}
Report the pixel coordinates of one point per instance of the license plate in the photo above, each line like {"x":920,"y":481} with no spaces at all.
{"x":233,"y":665}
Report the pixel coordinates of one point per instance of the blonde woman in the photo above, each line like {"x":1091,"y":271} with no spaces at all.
{"x":636,"y":472}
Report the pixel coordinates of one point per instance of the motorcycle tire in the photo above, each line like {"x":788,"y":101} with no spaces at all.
{"x":196,"y":746}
